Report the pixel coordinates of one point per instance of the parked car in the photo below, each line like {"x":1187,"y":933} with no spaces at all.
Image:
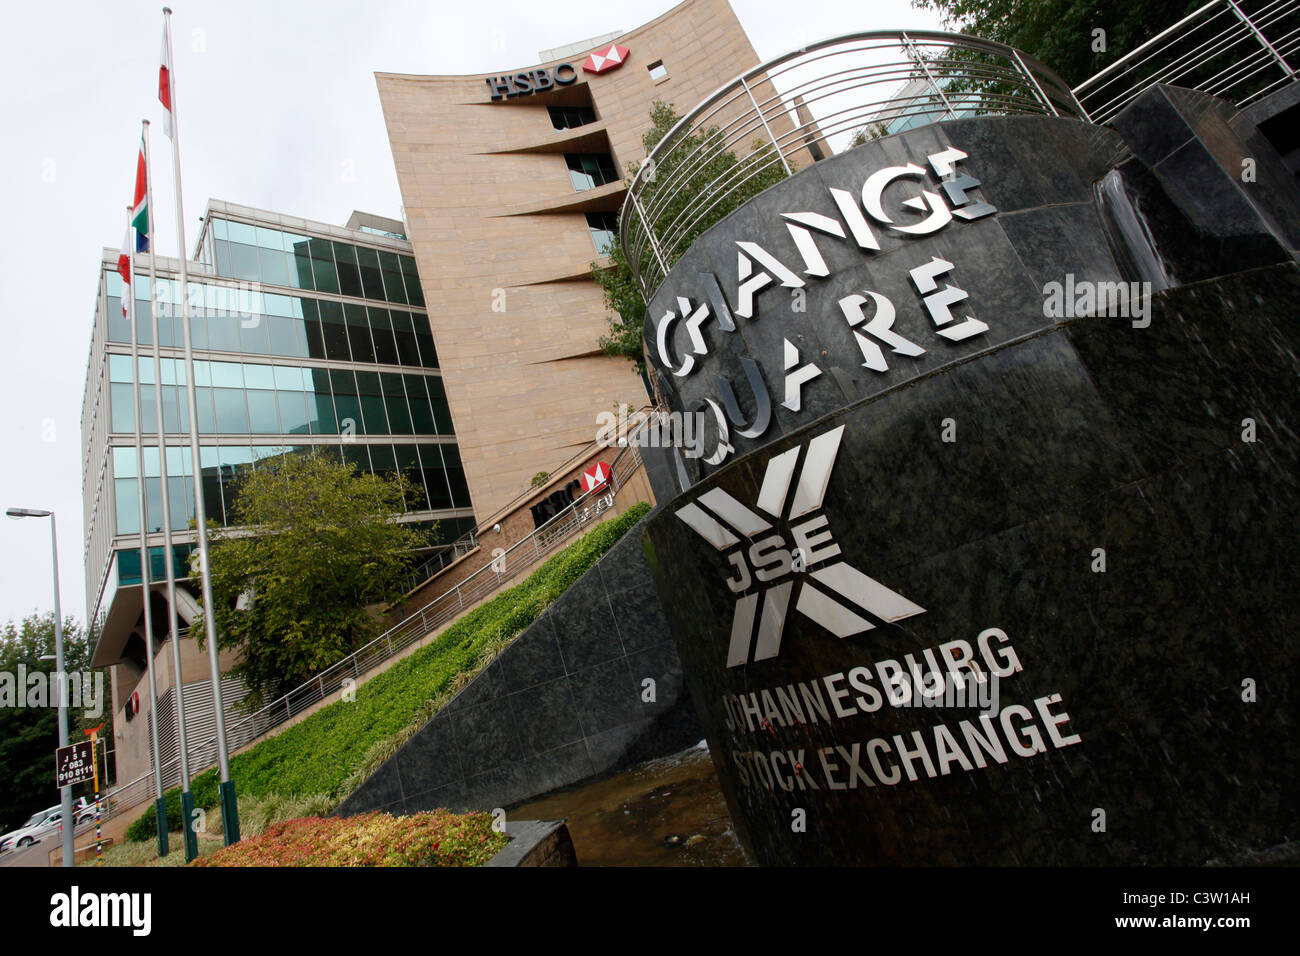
{"x":41,"y":825}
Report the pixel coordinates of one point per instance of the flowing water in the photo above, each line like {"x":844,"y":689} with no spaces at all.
{"x":667,"y":812}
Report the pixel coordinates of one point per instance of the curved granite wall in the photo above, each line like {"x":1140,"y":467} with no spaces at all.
{"x":1065,"y":533}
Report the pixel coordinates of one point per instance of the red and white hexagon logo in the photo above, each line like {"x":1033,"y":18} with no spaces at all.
{"x":603,"y":61}
{"x":595,"y":478}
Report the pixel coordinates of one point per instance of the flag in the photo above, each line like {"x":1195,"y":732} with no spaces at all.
{"x":165,"y":81}
{"x":139,"y":205}
{"x":124,"y":270}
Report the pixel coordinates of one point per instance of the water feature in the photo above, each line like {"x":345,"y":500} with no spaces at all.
{"x":667,"y":812}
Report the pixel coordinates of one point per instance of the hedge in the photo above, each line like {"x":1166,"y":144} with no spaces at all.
{"x":317,"y":755}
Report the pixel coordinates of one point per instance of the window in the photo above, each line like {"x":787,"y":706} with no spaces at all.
{"x":571,"y":117}
{"x":658,"y":72}
{"x":589,"y":170}
{"x":604,"y":230}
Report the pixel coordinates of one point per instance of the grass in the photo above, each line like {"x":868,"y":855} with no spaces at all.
{"x":330,"y":753}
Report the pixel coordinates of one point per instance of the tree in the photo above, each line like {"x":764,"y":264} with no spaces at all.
{"x":29,"y":735}
{"x":312,"y":542}
{"x":622,"y":293}
{"x":1060,"y":33}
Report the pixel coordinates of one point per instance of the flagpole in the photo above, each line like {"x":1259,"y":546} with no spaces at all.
{"x":187,"y":798}
{"x":146,"y":593}
{"x":229,"y":807}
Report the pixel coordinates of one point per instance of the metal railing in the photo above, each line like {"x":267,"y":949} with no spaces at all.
{"x":525,"y":555}
{"x":1220,"y":49}
{"x":824,"y":98}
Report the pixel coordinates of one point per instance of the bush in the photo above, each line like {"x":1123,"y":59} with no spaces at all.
{"x":326,"y":753}
{"x":436,"y":838}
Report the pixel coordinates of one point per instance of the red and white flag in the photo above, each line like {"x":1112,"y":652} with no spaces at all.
{"x":165,"y":81}
{"x":124,"y":270}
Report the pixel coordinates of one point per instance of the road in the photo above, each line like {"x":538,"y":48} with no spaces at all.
{"x":38,"y":854}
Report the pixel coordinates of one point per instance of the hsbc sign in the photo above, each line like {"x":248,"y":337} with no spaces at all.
{"x":542,"y":79}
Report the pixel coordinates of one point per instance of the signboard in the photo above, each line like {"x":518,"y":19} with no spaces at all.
{"x":74,"y":764}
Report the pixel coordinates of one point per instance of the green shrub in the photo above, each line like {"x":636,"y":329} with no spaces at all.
{"x":322,"y":754}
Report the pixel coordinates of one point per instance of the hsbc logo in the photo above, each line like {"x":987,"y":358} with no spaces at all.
{"x":595,"y":478}
{"x":774,"y":572}
{"x":606,"y":60}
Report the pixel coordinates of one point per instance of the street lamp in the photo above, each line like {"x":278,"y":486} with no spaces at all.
{"x":65,"y":792}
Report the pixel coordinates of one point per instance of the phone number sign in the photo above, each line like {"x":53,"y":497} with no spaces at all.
{"x":74,"y":764}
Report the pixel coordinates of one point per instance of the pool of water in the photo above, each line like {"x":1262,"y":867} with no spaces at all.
{"x":667,"y":812}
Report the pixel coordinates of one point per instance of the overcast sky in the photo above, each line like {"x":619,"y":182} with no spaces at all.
{"x":277,"y":109}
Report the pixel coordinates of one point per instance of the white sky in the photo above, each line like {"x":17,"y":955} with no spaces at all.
{"x":278,"y":110}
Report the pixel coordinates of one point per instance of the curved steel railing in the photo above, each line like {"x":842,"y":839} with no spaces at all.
{"x":809,"y":103}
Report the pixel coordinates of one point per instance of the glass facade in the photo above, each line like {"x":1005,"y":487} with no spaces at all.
{"x":603,"y":227}
{"x":589,"y":170}
{"x":302,"y":343}
{"x":252,"y":321}
{"x":271,"y":256}
{"x":571,"y":117}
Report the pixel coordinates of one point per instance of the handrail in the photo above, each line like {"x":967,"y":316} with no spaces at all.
{"x":824,"y":97}
{"x":1218,"y":49}
{"x":529,"y":552}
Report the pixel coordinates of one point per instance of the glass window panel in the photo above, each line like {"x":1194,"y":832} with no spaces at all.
{"x":119,"y":368}
{"x":176,"y":410}
{"x":320,"y":404}
{"x":428,"y":354}
{"x":301,"y":274}
{"x":277,"y":304}
{"x":349,"y":275}
{"x":287,"y":336}
{"x":262,"y":414}
{"x":124,"y":463}
{"x":435,"y":477}
{"x":223,"y":331}
{"x":207,"y":419}
{"x":119,"y":330}
{"x":359,"y":333}
{"x":288,"y":378}
{"x":399,"y":415}
{"x":153,"y":500}
{"x":438,"y":398}
{"x":226,"y":374}
{"x":411,"y":278}
{"x":212,"y":504}
{"x":456,"y":476}
{"x":259,"y":376}
{"x":371,"y":281}
{"x":269,"y":238}
{"x":253,"y":334}
{"x":346,"y":404}
{"x":404,"y":333}
{"x":243,"y":262}
{"x":148,"y":411}
{"x":232,"y":410}
{"x":381,"y":332}
{"x":179,"y":491}
{"x":127,"y":505}
{"x":335,"y":332}
{"x":382,"y":460}
{"x":222,"y":249}
{"x":322,"y":266}
{"x":241,"y":232}
{"x":418,"y":401}
{"x":275,"y":266}
{"x":122,"y":396}
{"x":392,"y":269}
{"x":219,"y":229}
{"x":372,"y":403}
{"x":408,"y":463}
{"x":354,"y":454}
{"x":294,"y":419}
{"x":236,"y":463}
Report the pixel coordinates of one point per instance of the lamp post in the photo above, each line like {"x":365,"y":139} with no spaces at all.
{"x":60,"y":677}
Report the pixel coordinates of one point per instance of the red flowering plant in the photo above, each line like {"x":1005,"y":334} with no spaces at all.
{"x":433,"y":838}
